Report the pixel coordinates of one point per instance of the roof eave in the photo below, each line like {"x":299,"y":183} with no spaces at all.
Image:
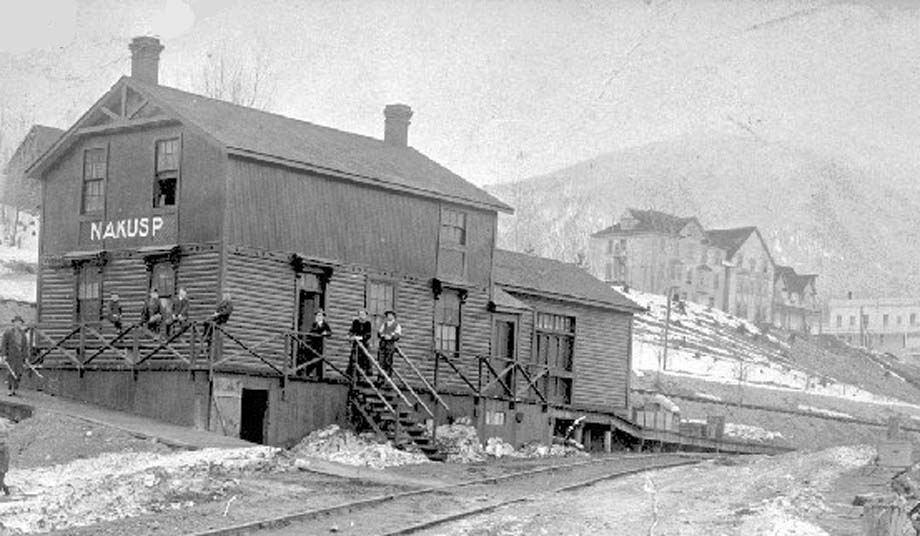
{"x":254,"y":155}
{"x":569,"y":298}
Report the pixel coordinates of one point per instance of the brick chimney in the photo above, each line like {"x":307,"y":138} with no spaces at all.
{"x":396,"y":126}
{"x":145,"y":59}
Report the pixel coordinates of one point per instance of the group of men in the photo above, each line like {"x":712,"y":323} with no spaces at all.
{"x":360,"y":334}
{"x":162,"y":315}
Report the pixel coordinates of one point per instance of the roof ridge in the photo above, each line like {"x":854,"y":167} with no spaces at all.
{"x":145,"y":85}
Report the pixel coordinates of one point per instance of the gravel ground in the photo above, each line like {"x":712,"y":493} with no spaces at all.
{"x":50,"y":438}
{"x":779,"y":496}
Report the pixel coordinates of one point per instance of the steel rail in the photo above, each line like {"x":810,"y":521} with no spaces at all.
{"x":285,"y":520}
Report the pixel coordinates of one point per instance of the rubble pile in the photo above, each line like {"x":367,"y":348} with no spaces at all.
{"x":119,"y":485}
{"x":460,"y":442}
{"x":462,"y":445}
{"x":337,"y":445}
{"x":6,"y":425}
{"x":750,"y":433}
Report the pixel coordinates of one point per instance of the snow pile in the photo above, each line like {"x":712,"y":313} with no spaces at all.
{"x":750,"y":433}
{"x":6,"y":425}
{"x":460,"y":442}
{"x":708,"y":396}
{"x":822,"y":411}
{"x":342,"y":446}
{"x":115,"y":486}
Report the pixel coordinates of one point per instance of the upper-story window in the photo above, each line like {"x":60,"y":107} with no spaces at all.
{"x":609,"y":246}
{"x":166,"y":181}
{"x":94,"y":173}
{"x":452,"y":254}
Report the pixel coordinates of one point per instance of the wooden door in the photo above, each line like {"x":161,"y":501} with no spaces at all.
{"x":504,"y":352}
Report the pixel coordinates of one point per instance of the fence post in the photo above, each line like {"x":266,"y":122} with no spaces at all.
{"x":885,"y":516}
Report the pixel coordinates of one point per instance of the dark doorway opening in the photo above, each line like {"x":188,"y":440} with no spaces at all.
{"x":310,"y":299}
{"x":253,"y":415}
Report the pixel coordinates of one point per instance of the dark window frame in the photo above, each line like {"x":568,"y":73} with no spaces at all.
{"x":95,"y":180}
{"x":375,"y":316}
{"x":555,"y":336}
{"x":165,"y":175}
{"x":83,"y":312}
{"x":449,"y":326}
{"x":451,"y":244}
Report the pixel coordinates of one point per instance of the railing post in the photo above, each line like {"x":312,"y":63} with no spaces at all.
{"x":82,"y":350}
{"x":193,"y":345}
{"x":479,"y":378}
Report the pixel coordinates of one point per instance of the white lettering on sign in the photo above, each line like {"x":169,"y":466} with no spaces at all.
{"x":129,"y":228}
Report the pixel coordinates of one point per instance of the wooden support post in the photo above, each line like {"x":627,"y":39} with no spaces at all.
{"x":579,"y":435}
{"x":885,"y":516}
{"x":608,"y":441}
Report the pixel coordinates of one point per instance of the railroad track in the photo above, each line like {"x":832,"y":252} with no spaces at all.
{"x":424,"y":509}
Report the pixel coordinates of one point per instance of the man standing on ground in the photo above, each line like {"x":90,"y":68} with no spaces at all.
{"x":15,"y":348}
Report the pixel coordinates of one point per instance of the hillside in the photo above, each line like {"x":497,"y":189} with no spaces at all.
{"x":769,"y":385}
{"x":854,"y":227}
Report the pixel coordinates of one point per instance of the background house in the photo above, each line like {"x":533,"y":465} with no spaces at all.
{"x":795,"y":301}
{"x":883,"y":324}
{"x":748,"y":273}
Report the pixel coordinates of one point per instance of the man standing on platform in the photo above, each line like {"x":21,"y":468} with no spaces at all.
{"x":15,"y":349}
{"x":390,"y":331}
{"x":115,"y":311}
{"x":152,"y":315}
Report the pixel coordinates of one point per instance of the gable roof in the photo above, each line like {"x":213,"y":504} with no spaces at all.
{"x":540,"y":276}
{"x":275,"y":138}
{"x":649,"y":221}
{"x":731,"y":240}
{"x":34,"y":144}
{"x":794,"y":282}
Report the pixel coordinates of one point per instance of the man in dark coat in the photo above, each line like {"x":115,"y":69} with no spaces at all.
{"x":319,"y":330}
{"x":180,"y":309}
{"x":115,"y":311}
{"x":389,"y":332}
{"x":151,"y":314}
{"x":220,"y":316}
{"x":360,"y":332}
{"x":15,"y":349}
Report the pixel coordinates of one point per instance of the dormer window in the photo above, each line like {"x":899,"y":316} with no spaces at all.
{"x":166,"y":182}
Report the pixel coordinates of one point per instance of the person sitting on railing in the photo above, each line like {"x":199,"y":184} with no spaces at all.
{"x":180,"y":309}
{"x":389,"y":332}
{"x":220,"y":316}
{"x":360,"y":332}
{"x":15,"y":350}
{"x":115,"y":311}
{"x":151,"y":314}
{"x":319,"y":330}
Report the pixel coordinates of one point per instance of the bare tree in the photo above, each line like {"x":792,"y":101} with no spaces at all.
{"x":246,"y":79}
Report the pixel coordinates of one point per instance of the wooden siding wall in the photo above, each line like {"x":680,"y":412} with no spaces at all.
{"x":129,"y":187}
{"x":602,"y":341}
{"x":282,"y":210}
{"x":263,"y":286}
{"x":126,"y":274}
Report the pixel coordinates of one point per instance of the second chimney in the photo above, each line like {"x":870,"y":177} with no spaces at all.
{"x":145,"y":59}
{"x":396,"y":126}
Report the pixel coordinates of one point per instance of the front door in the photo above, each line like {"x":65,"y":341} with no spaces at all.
{"x":503,"y":352}
{"x":310,"y":299}
{"x":253,"y":412}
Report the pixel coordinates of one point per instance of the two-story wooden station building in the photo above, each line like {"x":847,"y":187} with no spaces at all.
{"x":157,"y":188}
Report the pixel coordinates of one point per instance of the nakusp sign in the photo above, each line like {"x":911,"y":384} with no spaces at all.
{"x":130,"y":231}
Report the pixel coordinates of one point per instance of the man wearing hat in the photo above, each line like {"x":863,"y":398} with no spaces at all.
{"x":15,"y":349}
{"x":389,"y":333}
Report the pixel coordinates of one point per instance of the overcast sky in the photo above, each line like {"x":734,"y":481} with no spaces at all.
{"x":506,"y":90}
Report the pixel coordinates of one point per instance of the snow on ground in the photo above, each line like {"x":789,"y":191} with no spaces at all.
{"x":822,"y":411}
{"x":9,"y":253}
{"x":18,"y":287}
{"x":115,"y":486}
{"x":701,"y":353}
{"x":708,"y":396}
{"x":750,"y":433}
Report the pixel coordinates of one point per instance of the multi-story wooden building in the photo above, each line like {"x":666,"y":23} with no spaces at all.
{"x":795,"y":301}
{"x":730,"y":269}
{"x":154,"y":187}
{"x":748,"y":273}
{"x":660,"y":253}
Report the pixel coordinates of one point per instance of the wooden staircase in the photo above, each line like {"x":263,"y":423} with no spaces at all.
{"x":383,"y":412}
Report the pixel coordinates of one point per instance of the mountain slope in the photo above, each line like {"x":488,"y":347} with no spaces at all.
{"x":857,"y":229}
